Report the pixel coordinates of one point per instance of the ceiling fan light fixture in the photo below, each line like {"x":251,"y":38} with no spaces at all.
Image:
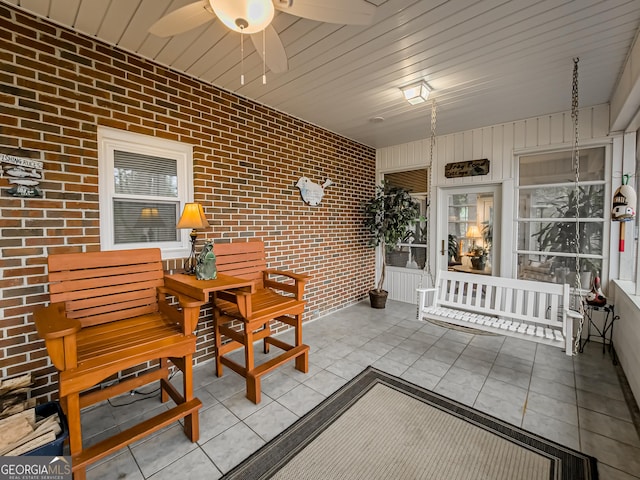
{"x":416,"y":93}
{"x":248,"y":16}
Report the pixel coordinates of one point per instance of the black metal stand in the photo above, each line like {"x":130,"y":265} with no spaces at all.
{"x":607,"y":329}
{"x":191,"y":261}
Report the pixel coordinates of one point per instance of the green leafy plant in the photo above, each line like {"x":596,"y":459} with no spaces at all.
{"x":560,"y":236}
{"x":487,"y":235}
{"x":388,"y":217}
{"x":452,"y":249}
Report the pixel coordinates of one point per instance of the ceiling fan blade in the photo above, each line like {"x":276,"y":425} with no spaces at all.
{"x":276,"y":56}
{"x":182,"y":20}
{"x":347,"y":12}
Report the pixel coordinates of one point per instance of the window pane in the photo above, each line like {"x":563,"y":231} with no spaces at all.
{"x":408,"y":257}
{"x":560,"y":237}
{"x":558,"y":202}
{"x":147,"y":175}
{"x":144,"y":222}
{"x":557,"y":167}
{"x":555,"y":269}
{"x":415,"y":181}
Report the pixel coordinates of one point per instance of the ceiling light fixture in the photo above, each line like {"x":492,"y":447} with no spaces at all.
{"x":249,"y":16}
{"x":246,"y":17}
{"x":416,"y":93}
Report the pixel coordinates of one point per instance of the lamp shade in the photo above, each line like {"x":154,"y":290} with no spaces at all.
{"x":192,"y":217}
{"x":416,"y":93}
{"x":248,"y":16}
{"x":150,"y":218}
{"x":473,"y":232}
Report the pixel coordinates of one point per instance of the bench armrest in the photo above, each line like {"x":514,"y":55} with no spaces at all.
{"x":240,"y":297}
{"x":189,"y":311}
{"x":52,"y":322}
{"x":422,"y":297}
{"x":297,"y":288}
{"x":298,"y":277}
{"x":184,"y":300}
{"x":59,"y":334}
{"x":425,"y":290}
{"x":574,"y":314}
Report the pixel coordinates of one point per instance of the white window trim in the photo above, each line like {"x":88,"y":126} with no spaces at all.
{"x":110,"y":139}
{"x":607,"y":244}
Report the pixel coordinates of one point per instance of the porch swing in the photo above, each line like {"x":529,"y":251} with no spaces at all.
{"x":531,"y":310}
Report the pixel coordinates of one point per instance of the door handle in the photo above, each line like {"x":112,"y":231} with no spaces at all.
{"x":442,"y":251}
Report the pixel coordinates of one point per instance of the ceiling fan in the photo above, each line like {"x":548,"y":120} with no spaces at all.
{"x":253,"y":18}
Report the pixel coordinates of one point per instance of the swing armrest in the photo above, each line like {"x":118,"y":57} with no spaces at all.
{"x":425,"y":290}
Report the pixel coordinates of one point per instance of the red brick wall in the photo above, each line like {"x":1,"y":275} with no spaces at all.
{"x":57,"y":87}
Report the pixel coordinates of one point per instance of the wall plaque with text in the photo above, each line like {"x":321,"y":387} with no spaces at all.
{"x":470,"y":168}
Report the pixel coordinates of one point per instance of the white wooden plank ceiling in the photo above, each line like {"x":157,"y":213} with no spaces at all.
{"x":488,"y":61}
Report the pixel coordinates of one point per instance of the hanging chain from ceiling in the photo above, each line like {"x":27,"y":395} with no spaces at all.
{"x":432,"y":143}
{"x":576,"y":194}
{"x":427,"y":264}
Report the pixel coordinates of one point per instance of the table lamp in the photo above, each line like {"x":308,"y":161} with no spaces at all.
{"x":192,"y":217}
{"x":473,"y":232}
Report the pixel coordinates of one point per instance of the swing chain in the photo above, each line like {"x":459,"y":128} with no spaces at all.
{"x":432,"y":143}
{"x":427,"y":265}
{"x":576,"y":164}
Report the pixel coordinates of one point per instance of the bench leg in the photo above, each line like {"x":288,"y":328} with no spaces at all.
{"x":191,"y":422}
{"x":80,"y":474}
{"x":265,"y":344}
{"x":253,"y":388}
{"x":253,"y":383}
{"x":218,"y":338}
{"x":72,"y":403}
{"x":164,"y":365}
{"x":302,"y":361}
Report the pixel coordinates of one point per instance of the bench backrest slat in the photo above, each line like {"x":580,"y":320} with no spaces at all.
{"x":242,"y":259}
{"x":102,"y":287}
{"x":521,"y":300}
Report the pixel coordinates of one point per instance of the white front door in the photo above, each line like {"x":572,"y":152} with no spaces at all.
{"x":468,"y":233}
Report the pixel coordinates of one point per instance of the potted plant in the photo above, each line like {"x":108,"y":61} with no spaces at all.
{"x":478,"y":258}
{"x":388,"y":216}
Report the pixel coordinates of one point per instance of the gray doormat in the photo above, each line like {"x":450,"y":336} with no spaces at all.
{"x":379,"y":426}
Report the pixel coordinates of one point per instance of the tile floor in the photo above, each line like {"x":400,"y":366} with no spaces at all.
{"x":576,"y":401}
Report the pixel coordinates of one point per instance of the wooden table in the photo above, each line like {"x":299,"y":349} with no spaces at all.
{"x":467,"y":269}
{"x":200,"y":289}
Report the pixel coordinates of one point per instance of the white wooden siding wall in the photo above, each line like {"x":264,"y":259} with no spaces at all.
{"x":402,"y":283}
{"x":626,"y":334}
{"x":497,"y":143}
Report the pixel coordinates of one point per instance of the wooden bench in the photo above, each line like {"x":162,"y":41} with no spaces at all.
{"x":245,"y":316}
{"x":525,"y":309}
{"x":109,"y":313}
